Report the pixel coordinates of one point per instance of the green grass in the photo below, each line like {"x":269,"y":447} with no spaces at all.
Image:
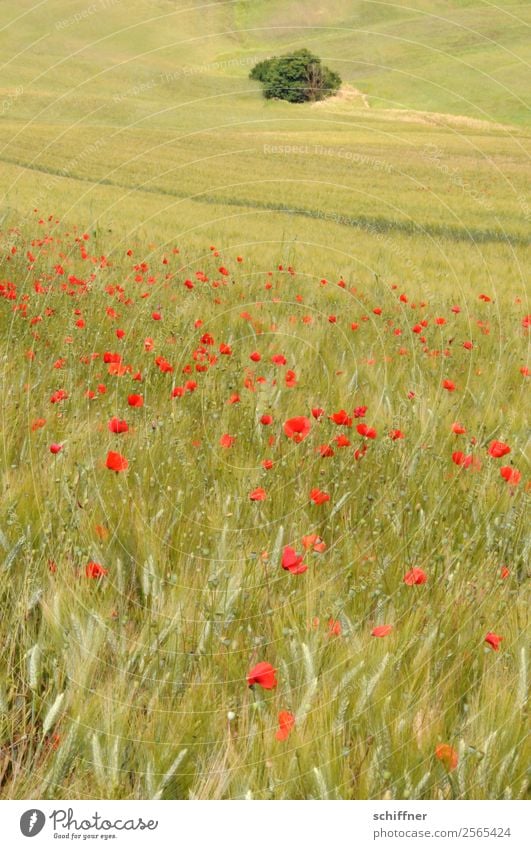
{"x":139,"y":127}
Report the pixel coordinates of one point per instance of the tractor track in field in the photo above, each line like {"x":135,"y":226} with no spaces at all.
{"x":375,"y":225}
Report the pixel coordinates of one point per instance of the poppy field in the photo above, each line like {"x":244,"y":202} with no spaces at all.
{"x":264,"y":389}
{"x":263,"y":534}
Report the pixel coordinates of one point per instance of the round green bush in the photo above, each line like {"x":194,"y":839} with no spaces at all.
{"x":297,"y":77}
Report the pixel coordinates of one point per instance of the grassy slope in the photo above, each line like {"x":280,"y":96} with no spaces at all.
{"x":97,"y":104}
{"x":465,"y":58}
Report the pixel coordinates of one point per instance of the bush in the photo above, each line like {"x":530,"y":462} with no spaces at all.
{"x":296,"y":77}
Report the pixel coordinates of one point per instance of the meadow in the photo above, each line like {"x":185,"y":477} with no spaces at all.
{"x":265,"y":462}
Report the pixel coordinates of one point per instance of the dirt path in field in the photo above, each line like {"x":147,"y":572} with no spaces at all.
{"x":440,"y":119}
{"x":350,"y":96}
{"x":346,"y":94}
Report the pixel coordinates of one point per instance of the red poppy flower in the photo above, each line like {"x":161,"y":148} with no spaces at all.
{"x":264,"y":675}
{"x":342,"y":441}
{"x":227,"y":441}
{"x":511,"y":475}
{"x":95,"y":570}
{"x":314,"y":541}
{"x":365,"y":430}
{"x":493,"y":640}
{"x":279,"y":359}
{"x":116,"y":462}
{"x":359,"y":412}
{"x":55,"y":448}
{"x":446,"y":755}
{"x":60,"y":395}
{"x":292,"y":562}
{"x":461,"y":459}
{"x":319,"y":497}
{"x":504,"y":572}
{"x":290,"y":379}
{"x":341,"y":418}
{"x":317,"y":412}
{"x":266,"y":419}
{"x":449,"y":385}
{"x":258,"y":494}
{"x":255,"y":357}
{"x":163,"y":364}
{"x":381,"y":630}
{"x":297,"y":428}
{"x":286,"y":723}
{"x":325,"y":450}
{"x":468,"y":346}
{"x":135,"y":401}
{"x":415,"y":576}
{"x":334,"y":628}
{"x":458,"y":428}
{"x":118,"y":425}
{"x":498,"y":449}
{"x":397,"y":434}
{"x":267,"y":464}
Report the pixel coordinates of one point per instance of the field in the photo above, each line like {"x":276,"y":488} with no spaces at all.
{"x":265,"y":367}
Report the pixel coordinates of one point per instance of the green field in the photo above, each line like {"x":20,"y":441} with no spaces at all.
{"x":136,"y":125}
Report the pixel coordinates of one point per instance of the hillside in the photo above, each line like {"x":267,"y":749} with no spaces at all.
{"x":452,"y":56}
{"x":105,"y":113}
